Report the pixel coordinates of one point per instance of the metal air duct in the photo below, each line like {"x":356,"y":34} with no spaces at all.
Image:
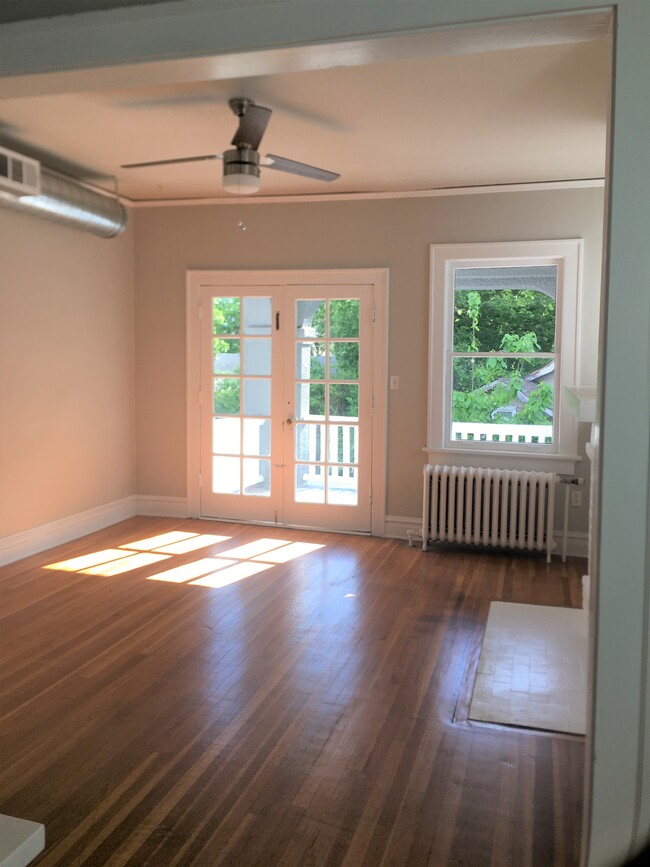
{"x":67,"y":201}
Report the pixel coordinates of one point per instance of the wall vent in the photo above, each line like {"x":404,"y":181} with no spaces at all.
{"x":19,"y":175}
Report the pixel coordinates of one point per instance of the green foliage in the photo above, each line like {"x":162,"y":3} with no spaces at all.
{"x":226,"y":314}
{"x":514,"y":343}
{"x":344,"y":400}
{"x":538,"y":400}
{"x":226,"y":397}
{"x":344,"y":358}
{"x":468,"y":305}
{"x":226,"y":317}
{"x":344,"y":318}
{"x":501,"y":312}
{"x":479,"y":404}
{"x":473,"y":406}
{"x":500,"y":321}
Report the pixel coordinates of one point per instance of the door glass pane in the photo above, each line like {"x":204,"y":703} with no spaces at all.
{"x":257,"y":477}
{"x":225,"y":475}
{"x":257,"y":397}
{"x":225,"y":315}
{"x":242,"y":370}
{"x":342,"y":486}
{"x":226,"y":355}
{"x":310,"y":400}
{"x":310,"y":442}
{"x":344,"y":318}
{"x":310,"y":318}
{"x":327,"y":362}
{"x":344,"y":360}
{"x":344,"y":401}
{"x":257,"y":315}
{"x":226,"y":436}
{"x":342,"y":443}
{"x":257,"y":357}
{"x":310,"y":360}
{"x":226,"y":396}
{"x":310,"y":483}
{"x":257,"y":436}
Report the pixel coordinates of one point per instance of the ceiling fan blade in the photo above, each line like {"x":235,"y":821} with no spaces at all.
{"x":282,"y":164}
{"x":169,"y":162}
{"x":252,"y":124}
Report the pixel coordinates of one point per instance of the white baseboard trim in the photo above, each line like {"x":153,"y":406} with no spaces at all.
{"x":46,"y":536}
{"x":577,"y":544}
{"x":161,"y":507}
{"x":399,"y":527}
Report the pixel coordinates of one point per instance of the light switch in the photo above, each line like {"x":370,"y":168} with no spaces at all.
{"x":394,"y":383}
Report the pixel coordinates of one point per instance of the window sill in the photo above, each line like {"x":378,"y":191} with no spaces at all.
{"x":502,"y":460}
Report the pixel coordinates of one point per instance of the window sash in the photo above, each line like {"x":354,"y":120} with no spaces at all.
{"x":445,"y":261}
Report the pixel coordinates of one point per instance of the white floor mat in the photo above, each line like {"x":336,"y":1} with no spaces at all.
{"x":533,"y":668}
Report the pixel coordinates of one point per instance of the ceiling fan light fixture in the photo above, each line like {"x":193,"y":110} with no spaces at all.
{"x":241,"y":184}
{"x":241,"y":171}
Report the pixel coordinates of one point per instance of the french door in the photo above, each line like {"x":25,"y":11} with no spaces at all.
{"x":286,"y":403}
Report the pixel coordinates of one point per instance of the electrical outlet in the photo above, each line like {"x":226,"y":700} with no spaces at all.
{"x":576,"y":497}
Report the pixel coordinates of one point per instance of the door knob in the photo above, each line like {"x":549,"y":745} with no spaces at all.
{"x":289,"y":421}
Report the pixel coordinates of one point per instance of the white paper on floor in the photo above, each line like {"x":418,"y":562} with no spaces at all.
{"x":533,"y":668}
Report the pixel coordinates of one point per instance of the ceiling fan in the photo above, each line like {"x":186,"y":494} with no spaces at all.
{"x":241,"y":164}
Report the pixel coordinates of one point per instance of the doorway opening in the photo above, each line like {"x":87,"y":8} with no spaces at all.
{"x":287,"y":397}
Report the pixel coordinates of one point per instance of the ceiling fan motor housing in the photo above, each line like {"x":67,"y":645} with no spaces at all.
{"x":241,"y":170}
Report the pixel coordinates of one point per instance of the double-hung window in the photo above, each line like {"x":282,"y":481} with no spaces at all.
{"x":502,"y":347}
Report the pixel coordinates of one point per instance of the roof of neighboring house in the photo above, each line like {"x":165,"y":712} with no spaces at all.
{"x":529,"y":384}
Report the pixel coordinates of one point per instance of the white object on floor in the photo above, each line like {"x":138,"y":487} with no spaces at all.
{"x":20,"y":841}
{"x":533,"y":668}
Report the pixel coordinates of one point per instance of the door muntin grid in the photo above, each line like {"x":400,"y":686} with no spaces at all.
{"x":326,"y":429}
{"x":241,"y":395}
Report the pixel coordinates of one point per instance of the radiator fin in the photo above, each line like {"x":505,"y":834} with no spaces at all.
{"x":501,"y":508}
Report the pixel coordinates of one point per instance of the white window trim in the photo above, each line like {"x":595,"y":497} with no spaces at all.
{"x":560,"y":457}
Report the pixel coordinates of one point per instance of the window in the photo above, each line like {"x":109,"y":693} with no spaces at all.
{"x":502,"y":346}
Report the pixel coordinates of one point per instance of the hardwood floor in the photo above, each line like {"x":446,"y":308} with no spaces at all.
{"x":303,"y":715}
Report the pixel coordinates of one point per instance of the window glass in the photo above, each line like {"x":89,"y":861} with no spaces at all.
{"x":503,"y":361}
{"x":502,"y":353}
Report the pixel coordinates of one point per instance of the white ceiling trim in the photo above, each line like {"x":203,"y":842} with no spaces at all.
{"x":582,"y":183}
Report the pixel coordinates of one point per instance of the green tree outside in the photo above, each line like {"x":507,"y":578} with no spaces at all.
{"x":344,"y":356}
{"x":226,"y":319}
{"x":501,"y":321}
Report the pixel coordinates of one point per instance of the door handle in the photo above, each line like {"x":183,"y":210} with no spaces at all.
{"x":288,"y":421}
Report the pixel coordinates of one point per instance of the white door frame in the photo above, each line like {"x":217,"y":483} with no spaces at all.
{"x":378,"y":277}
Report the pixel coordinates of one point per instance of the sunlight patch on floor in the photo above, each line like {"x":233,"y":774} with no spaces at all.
{"x":290,"y":551}
{"x":76,"y":564}
{"x":254,"y":549}
{"x":157,"y":541}
{"x":202,"y":540}
{"x":220,"y":570}
{"x":181,"y":574}
{"x":125,"y":564}
{"x":232,"y":574}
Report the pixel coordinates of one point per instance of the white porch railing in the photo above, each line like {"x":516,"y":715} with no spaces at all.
{"x":341,"y":454}
{"x":502,"y":433}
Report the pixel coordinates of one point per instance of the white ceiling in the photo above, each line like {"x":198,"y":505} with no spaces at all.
{"x":525,"y":114}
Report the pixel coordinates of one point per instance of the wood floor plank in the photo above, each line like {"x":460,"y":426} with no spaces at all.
{"x":310,"y":714}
